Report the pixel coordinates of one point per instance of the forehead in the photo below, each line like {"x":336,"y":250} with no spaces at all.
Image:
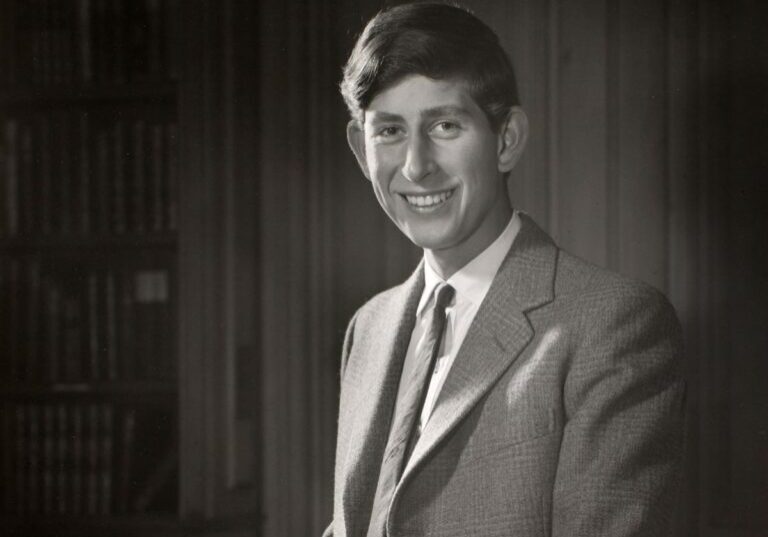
{"x":417,"y":95}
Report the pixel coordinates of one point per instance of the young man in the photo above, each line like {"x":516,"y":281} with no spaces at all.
{"x":506,"y":388}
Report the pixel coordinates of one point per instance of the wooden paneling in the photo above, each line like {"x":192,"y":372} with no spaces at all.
{"x":219,"y":364}
{"x":641,"y":190}
{"x":740,"y":490}
{"x":684,"y":229}
{"x":199,"y":258}
{"x":301,"y":209}
{"x":582,"y":119}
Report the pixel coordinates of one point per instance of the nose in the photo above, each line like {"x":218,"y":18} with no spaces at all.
{"x":418,"y":159}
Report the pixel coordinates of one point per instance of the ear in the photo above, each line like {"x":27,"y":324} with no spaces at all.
{"x":513,"y":136}
{"x":356,"y":141}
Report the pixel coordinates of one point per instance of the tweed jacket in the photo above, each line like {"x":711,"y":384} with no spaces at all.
{"x":561,"y":414}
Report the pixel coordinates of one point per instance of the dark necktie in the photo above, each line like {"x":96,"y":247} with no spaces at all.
{"x":410,"y":400}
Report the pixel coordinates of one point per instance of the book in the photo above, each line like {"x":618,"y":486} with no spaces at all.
{"x":84,"y":167}
{"x":50,"y":460}
{"x":128,"y":437}
{"x":61,"y":38}
{"x":106,"y":458}
{"x":159,"y":476}
{"x":138,"y":183}
{"x":127,"y":335}
{"x":33,"y":453}
{"x":46,"y":198}
{"x":152,"y":324}
{"x":95,"y":341}
{"x":172,"y":176}
{"x":11,"y":183}
{"x":7,"y":29}
{"x":102,"y":181}
{"x":158,"y":203}
{"x":92,"y":450}
{"x":21,"y":459}
{"x":64,"y":172}
{"x":53,"y":330}
{"x":66,"y":461}
{"x":7,"y":447}
{"x":73,"y":341}
{"x":79,"y":461}
{"x":156,"y":39}
{"x":3,"y":182}
{"x":84,"y":40}
{"x":111,"y":326}
{"x":32,"y":348}
{"x":100,"y":32}
{"x":118,"y":179}
{"x":171,"y":27}
{"x":26,"y":180}
{"x":15,"y":324}
{"x":5,"y":302}
{"x":44,"y":76}
{"x":138,"y":40}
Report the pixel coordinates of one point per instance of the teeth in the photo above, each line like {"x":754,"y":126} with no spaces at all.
{"x":430,"y":199}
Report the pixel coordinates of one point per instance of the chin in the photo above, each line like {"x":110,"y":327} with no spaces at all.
{"x":429,"y":241}
{"x":430,"y":235}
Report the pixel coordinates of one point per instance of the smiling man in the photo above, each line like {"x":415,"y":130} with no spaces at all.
{"x":507,"y":387}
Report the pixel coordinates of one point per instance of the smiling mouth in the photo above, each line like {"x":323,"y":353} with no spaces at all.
{"x":428,"y":201}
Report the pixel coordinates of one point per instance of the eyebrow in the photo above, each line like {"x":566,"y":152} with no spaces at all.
{"x":429,"y":113}
{"x":448,"y":110}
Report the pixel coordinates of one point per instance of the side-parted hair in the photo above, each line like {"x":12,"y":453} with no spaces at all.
{"x":439,"y":41}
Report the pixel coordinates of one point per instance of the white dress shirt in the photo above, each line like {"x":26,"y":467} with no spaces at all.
{"x":471,"y":284}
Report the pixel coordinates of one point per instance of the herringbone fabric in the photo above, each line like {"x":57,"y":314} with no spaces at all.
{"x":403,"y":432}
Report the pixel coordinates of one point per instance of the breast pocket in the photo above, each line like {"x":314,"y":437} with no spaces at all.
{"x":510,"y":427}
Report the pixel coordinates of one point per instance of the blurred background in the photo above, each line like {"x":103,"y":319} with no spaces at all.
{"x":184,"y":235}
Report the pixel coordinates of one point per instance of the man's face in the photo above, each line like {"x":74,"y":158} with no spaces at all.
{"x":434,"y":162}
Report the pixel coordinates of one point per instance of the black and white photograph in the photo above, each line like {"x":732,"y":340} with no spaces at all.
{"x":443,"y":268}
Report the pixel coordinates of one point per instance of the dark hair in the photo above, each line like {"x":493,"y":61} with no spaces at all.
{"x":439,"y":41}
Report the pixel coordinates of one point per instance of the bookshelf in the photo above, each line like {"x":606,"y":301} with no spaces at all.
{"x":89,"y":271}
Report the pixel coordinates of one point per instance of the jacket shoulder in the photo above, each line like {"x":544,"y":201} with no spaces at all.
{"x":581,"y":280}
{"x":375,"y":306}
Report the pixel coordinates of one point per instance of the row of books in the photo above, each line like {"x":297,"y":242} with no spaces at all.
{"x":70,"y":173}
{"x":60,"y":42}
{"x":69,"y":325}
{"x":79,"y":458}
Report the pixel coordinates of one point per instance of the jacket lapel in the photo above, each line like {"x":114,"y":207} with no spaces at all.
{"x":499,"y":332}
{"x":377,"y":375}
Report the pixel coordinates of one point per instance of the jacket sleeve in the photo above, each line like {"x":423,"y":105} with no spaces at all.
{"x":622,"y":441}
{"x":345,"y":350}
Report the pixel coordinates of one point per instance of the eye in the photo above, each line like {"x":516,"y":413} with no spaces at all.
{"x":446,"y":129}
{"x":388,"y":132}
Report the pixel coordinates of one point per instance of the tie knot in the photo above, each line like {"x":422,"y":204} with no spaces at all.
{"x":443,"y":296}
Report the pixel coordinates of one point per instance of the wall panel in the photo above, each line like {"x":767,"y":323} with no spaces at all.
{"x":684,"y":228}
{"x":582,"y":129}
{"x":641,"y":198}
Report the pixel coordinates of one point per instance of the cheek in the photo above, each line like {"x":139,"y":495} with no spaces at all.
{"x":381,"y":164}
{"x":377,"y":171}
{"x":373,"y":161}
{"x":476,"y":165}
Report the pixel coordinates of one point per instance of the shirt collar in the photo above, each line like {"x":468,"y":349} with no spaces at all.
{"x":473,"y":280}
